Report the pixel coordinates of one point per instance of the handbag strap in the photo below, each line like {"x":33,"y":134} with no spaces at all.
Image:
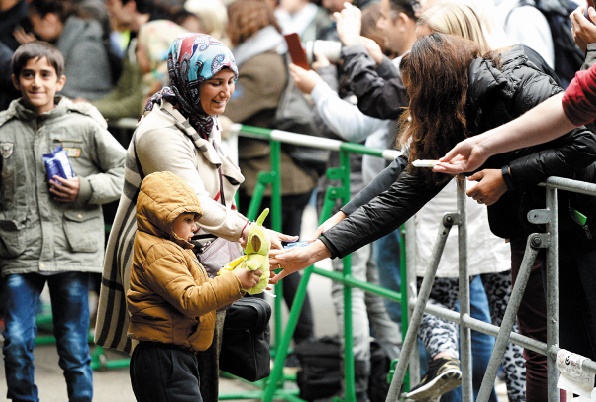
{"x":222,"y":196}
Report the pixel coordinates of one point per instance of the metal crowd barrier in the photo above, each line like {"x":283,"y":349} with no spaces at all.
{"x":535,"y":242}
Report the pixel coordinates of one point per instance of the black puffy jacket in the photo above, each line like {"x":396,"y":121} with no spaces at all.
{"x":495,"y":96}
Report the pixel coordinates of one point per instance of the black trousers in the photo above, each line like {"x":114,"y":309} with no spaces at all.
{"x":164,"y":372}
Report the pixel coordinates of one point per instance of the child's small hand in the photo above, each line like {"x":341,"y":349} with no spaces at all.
{"x":248,"y":278}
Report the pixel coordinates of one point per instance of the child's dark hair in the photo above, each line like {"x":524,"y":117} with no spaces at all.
{"x":37,"y":50}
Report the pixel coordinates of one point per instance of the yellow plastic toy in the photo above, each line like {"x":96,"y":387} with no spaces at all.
{"x":256,"y":254}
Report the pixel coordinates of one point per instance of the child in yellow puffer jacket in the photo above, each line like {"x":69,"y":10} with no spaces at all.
{"x":171,"y":299}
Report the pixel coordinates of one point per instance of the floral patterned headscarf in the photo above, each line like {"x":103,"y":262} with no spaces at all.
{"x":193,"y":59}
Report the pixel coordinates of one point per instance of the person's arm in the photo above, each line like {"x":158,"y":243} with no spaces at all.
{"x":167,"y":149}
{"x":342,"y":117}
{"x":370,"y":222}
{"x":168,"y":276}
{"x":380,"y":183}
{"x":561,"y":157}
{"x":547,"y":121}
{"x":377,"y":97}
{"x":541,"y":124}
{"x":109,"y":156}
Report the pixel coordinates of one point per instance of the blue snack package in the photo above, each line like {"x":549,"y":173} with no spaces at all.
{"x":57,"y":164}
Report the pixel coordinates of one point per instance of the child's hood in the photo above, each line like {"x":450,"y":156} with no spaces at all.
{"x":162,"y":198}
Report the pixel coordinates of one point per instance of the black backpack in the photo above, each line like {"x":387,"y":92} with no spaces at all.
{"x":320,"y":372}
{"x":568,"y":56}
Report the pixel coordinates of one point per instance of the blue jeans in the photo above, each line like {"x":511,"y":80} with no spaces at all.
{"x":482,"y":344}
{"x":386,"y":254}
{"x":70,"y":314}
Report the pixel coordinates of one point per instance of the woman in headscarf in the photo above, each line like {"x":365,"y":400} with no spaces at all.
{"x":179,"y":132}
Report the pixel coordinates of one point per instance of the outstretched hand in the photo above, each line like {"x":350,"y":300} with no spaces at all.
{"x":296,"y":258}
{"x":275,"y":237}
{"x":466,"y":156}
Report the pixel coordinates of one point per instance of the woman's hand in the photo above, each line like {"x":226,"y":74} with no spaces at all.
{"x":328,"y":224}
{"x":490,"y":186}
{"x":305,"y":80}
{"x":348,"y":24}
{"x":296,"y":258}
{"x":275,"y":237}
{"x":467,"y":156}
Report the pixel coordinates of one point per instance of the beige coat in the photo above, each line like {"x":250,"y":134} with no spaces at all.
{"x":171,"y":299}
{"x":164,"y":141}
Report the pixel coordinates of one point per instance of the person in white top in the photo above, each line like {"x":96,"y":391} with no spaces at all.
{"x":525,"y":24}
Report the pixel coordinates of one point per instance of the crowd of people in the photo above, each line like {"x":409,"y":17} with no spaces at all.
{"x":461,"y":81}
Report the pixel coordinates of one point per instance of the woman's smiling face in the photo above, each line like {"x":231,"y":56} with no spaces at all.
{"x":217,"y":91}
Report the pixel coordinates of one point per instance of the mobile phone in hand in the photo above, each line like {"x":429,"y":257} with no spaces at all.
{"x":296,"y":50}
{"x":296,"y":244}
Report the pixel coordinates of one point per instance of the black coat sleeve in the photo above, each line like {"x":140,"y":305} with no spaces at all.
{"x":377,"y":97}
{"x":380,"y":183}
{"x":565,"y":156}
{"x":382,"y":215}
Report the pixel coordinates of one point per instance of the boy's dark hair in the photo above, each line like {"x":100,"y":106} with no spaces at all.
{"x":37,"y":50}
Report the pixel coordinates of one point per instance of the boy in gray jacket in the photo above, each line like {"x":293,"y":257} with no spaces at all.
{"x":51,"y":225}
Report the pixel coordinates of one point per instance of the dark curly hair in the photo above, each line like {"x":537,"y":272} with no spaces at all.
{"x":435,"y":74}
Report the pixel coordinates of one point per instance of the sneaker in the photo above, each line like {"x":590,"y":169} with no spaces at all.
{"x":443,"y":375}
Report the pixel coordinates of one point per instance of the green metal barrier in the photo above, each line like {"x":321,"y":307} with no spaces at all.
{"x":274,"y":385}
